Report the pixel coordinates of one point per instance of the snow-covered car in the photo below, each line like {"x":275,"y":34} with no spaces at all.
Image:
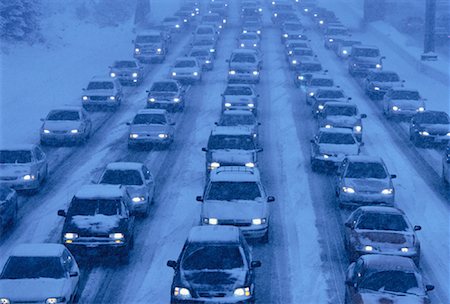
{"x":380,"y":278}
{"x":39,"y":273}
{"x":292,"y":44}
{"x":99,"y":222}
{"x":150,"y":46}
{"x":23,"y":167}
{"x":166,"y":94}
{"x":321,"y":96}
{"x":138,"y":180}
{"x":342,"y":115}
{"x":186,"y":69}
{"x":325,"y":19}
{"x":219,"y":7}
{"x":364,"y":180}
{"x":381,"y":230}
{"x":446,"y":166}
{"x":330,"y":146}
{"x":204,"y":57}
{"x":102,"y":92}
{"x":240,"y":97}
{"x":290,"y":30}
{"x":244,"y":66}
{"x":252,"y":27}
{"x":363,"y":59}
{"x":151,"y":127}
{"x":297,"y":56}
{"x":8,"y":208}
{"x":231,"y":146}
{"x":66,"y":125}
{"x":377,"y":83}
{"x":402,"y":102}
{"x":316,"y":82}
{"x":205,"y":43}
{"x":306,"y":69}
{"x":237,"y":118}
{"x":129,"y":72}
{"x":251,"y":12}
{"x":279,"y":17}
{"x":235,"y":196}
{"x":233,"y":277}
{"x":173,"y":24}
{"x":430,"y":127}
{"x":203,"y":31}
{"x":334,"y":34}
{"x":344,"y":47}
{"x":215,"y":20}
{"x":248,"y":41}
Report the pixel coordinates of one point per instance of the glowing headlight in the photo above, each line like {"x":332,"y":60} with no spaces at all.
{"x":176,"y":99}
{"x":174,"y":73}
{"x":137,"y":50}
{"x":305,"y":10}
{"x":4,"y":301}
{"x":158,"y":50}
{"x":152,"y":99}
{"x":260,"y":10}
{"x":300,"y":77}
{"x":448,"y":134}
{"x":29,"y":177}
{"x":250,"y":164}
{"x":321,"y":22}
{"x":290,"y":52}
{"x":214,"y":165}
{"x":227,"y":105}
{"x":220,"y":26}
{"x":294,"y":61}
{"x":285,"y":35}
{"x":232,"y":72}
{"x":421,"y":109}
{"x":387,"y":191}
{"x":70,"y":236}
{"x":138,"y":199}
{"x":181,"y":292}
{"x":258,"y":32}
{"x":112,"y":97}
{"x":177,"y":25}
{"x":242,"y":292}
{"x":162,"y":135}
{"x":212,"y":50}
{"x":116,"y":236}
{"x":320,"y":107}
{"x":258,"y":221}
{"x":311,"y":93}
{"x":244,"y":31}
{"x":46,"y":131}
{"x":213,"y":221}
{"x":328,"y":126}
{"x":224,"y":21}
{"x":348,"y":189}
{"x":251,"y":105}
{"x":331,"y":40}
{"x":112,"y":74}
{"x":55,"y":300}
{"x":326,"y":156}
{"x":315,"y":15}
{"x":368,"y":248}
{"x":195,"y":73}
{"x":255,"y":45}
{"x":357,"y":129}
{"x":395,"y":108}
{"x":404,"y":249}
{"x":255,"y":73}
{"x":275,"y":15}
{"x":345,"y":52}
{"x":242,"y":45}
{"x":376,"y":88}
{"x":134,"y":75}
{"x":207,"y":61}
{"x":85,"y":98}
{"x":133,"y":135}
{"x":424,"y":133}
{"x":378,"y":66}
{"x":74,"y":131}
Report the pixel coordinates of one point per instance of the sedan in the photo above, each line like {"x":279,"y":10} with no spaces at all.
{"x":377,"y":83}
{"x":430,"y":127}
{"x":238,"y":118}
{"x":321,"y":96}
{"x":402,"y":102}
{"x":315,"y":83}
{"x":8,"y":208}
{"x":248,"y":41}
{"x":240,"y":97}
{"x":129,"y":72}
{"x":204,"y":57}
{"x":297,"y":55}
{"x":186,"y":69}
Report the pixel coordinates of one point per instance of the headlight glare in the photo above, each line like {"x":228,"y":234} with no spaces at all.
{"x":138,"y":199}
{"x":116,"y":236}
{"x":387,"y":191}
{"x":133,"y":135}
{"x":242,"y":292}
{"x":348,"y":189}
{"x":28,"y":177}
{"x":70,"y":236}
{"x":135,"y":75}
{"x":181,"y":292}
{"x":74,"y":131}
{"x":112,"y":74}
{"x":368,"y":248}
{"x":358,"y":129}
{"x":214,"y":165}
{"x":232,"y":72}
{"x":4,"y":301}
{"x":425,"y":133}
{"x":46,"y":131}
{"x":404,"y":249}
{"x":162,"y":135}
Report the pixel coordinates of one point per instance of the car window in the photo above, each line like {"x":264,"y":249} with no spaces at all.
{"x":336,"y":138}
{"x":339,"y":110}
{"x":185,"y":64}
{"x":212,"y":258}
{"x":100,"y":85}
{"x":392,"y":280}
{"x":67,"y":261}
{"x":230,"y":191}
{"x":125,"y":64}
{"x":239,"y":142}
{"x":149,"y":119}
{"x":330,"y":94}
{"x":148,"y":39}
{"x":238,"y":90}
{"x":408,"y":95}
{"x":237,"y":120}
{"x":164,"y":87}
{"x":365,"y":170}
{"x":91,"y":207}
{"x":432,"y":118}
{"x":240,"y":57}
{"x":63,"y":115}
{"x":19,"y":267}
{"x":379,"y":221}
{"x":321,"y":82}
{"x":363,"y":52}
{"x":122,"y":177}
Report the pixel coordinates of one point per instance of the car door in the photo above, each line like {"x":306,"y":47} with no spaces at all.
{"x":41,"y":162}
{"x":70,"y":267}
{"x":354,"y":275}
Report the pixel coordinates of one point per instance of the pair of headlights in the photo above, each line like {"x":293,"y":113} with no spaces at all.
{"x":73,"y":131}
{"x":369,"y":248}
{"x":134,"y":75}
{"x":182,"y":292}
{"x":215,"y":221}
{"x":351,"y":190}
{"x":70,"y":236}
{"x":161,"y":135}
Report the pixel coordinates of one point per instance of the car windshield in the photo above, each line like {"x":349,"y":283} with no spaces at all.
{"x":243,"y":58}
{"x":337,"y":31}
{"x":185,"y":64}
{"x":380,"y":221}
{"x":231,"y":191}
{"x":293,"y":27}
{"x":204,"y":42}
{"x":91,"y":207}
{"x":236,"y":120}
{"x":433,"y":118}
{"x":63,"y":115}
{"x":330,"y":94}
{"x":211,"y":19}
{"x":15,"y":157}
{"x":251,"y":24}
{"x":341,"y":111}
{"x":385,"y":77}
{"x":164,"y":87}
{"x":205,"y":30}
{"x":148,"y":39}
{"x":238,"y":90}
{"x":310,"y":67}
{"x":22,"y":267}
{"x":125,"y":64}
{"x":365,"y":170}
{"x":149,"y":119}
{"x":201,"y":53}
{"x":223,"y":142}
{"x":302,"y":52}
{"x":321,"y":82}
{"x":391,"y":280}
{"x":336,"y":138}
{"x":363,"y":52}
{"x":122,"y":177}
{"x":212,"y":257}
{"x":248,"y":37}
{"x":349,"y":42}
{"x":100,"y":85}
{"x":408,"y":95}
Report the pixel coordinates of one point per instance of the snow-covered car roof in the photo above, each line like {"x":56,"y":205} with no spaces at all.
{"x":365,"y":46}
{"x":38,"y":250}
{"x":124,"y":166}
{"x":102,"y":78}
{"x":214,"y":234}
{"x":231,"y":130}
{"x":379,"y":262}
{"x":152,"y":111}
{"x":381,"y":209}
{"x":365,"y":159}
{"x":100,"y":191}
{"x":17,"y":147}
{"x":336,"y":130}
{"x":235,"y":174}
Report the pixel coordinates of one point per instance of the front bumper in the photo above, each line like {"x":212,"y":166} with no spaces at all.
{"x":211,"y":300}
{"x":366,"y":198}
{"x":97,"y":249}
{"x":108,"y":103}
{"x":243,"y":78}
{"x":402,"y":113}
{"x":20,"y":184}
{"x":66,"y":137}
{"x":434,"y":139}
{"x":169,"y":106}
{"x":149,"y":139}
{"x":185,"y":78}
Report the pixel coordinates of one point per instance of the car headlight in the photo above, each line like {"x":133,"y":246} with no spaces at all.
{"x":345,"y":52}
{"x":275,"y":15}
{"x":242,"y":45}
{"x":151,"y":99}
{"x":214,"y":165}
{"x":311,"y":94}
{"x":135,"y":75}
{"x":177,"y":25}
{"x":70,"y":236}
{"x":242,"y":292}
{"x":425,"y":133}
{"x":404,"y":249}
{"x":387,"y":191}
{"x":285,"y":35}
{"x":250,"y":164}
{"x":4,"y":301}
{"x":244,"y":31}
{"x":315,"y":15}
{"x":232,"y":72}
{"x":138,"y":199}
{"x":290,"y":52}
{"x":116,"y":236}
{"x":258,"y":221}
{"x":421,"y":109}
{"x":158,"y":50}
{"x":321,"y":22}
{"x":255,"y":45}
{"x":448,"y":134}
{"x":368,"y":248}
{"x":348,"y":189}
{"x":378,"y":66}
{"x":85,"y":98}
{"x":174,"y":73}
{"x":255,"y":73}
{"x":294,"y":61}
{"x":112,"y":97}
{"x":357,"y":129}
{"x":395,"y":108}
{"x":181,"y":292}
{"x":227,"y":105}
{"x":29,"y":177}
{"x":176,"y":99}
{"x":251,"y":105}
{"x":195,"y":73}
{"x":210,"y":221}
{"x":328,"y":126}
{"x":133,"y":135}
{"x":326,"y":156}
{"x":331,"y":40}
{"x":137,"y":50}
{"x":46,"y":131}
{"x":112,"y":74}
{"x":207,"y":61}
{"x":258,"y":32}
{"x":163,"y":135}
{"x":376,"y":88}
{"x":300,"y":77}
{"x":212,"y":50}
{"x":55,"y":300}
{"x":321,"y":107}
{"x":74,"y":131}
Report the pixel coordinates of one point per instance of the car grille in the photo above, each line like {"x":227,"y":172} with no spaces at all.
{"x":59,"y":132}
{"x":212,"y":294}
{"x":366,"y":65}
{"x":98,"y":97}
{"x":8,"y":178}
{"x":236,"y":223}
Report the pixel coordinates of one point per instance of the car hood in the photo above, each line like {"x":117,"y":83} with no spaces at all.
{"x":97,"y":224}
{"x":163,"y":95}
{"x":339,"y":149}
{"x":99,"y":92}
{"x":148,"y":129}
{"x":185,"y":70}
{"x":214,"y":280}
{"x":238,"y":98}
{"x":367,"y":59}
{"x":233,"y":156}
{"x":36,"y":289}
{"x":340,"y":121}
{"x":14,"y":169}
{"x":368,"y":184}
{"x":61,"y":125}
{"x":125,"y":70}
{"x":156,"y":45}
{"x":385,"y":239}
{"x":371,"y":297}
{"x":243,"y":65}
{"x":407,"y":103}
{"x":435,"y":128}
{"x":235,"y":210}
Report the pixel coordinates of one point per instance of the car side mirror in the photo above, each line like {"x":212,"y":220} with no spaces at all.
{"x":270,"y":199}
{"x":349,"y":98}
{"x":259,"y":123}
{"x":255,"y":264}
{"x":172,"y":264}
{"x":383,"y":57}
{"x":349,"y":225}
{"x":147,"y":91}
{"x":62,"y":213}
{"x":363,"y":115}
{"x":199,"y":198}
{"x":312,"y":141}
{"x":417,"y":228}
{"x":128,"y":123}
{"x":73,"y":274}
{"x":393,"y":176}
{"x":429,"y":287}
{"x":204,"y":149}
{"x":173,"y":123}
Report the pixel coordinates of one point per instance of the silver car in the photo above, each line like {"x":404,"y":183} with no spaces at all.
{"x":166,"y":94}
{"x":186,"y":69}
{"x":377,"y":83}
{"x":321,"y":96}
{"x":129,"y":72}
{"x":66,"y":125}
{"x":240,"y":97}
{"x":204,"y":57}
{"x":102,"y":92}
{"x":315,"y":83}
{"x":237,"y":118}
{"x":138,"y":180}
{"x":402,"y":102}
{"x":23,"y":167}
{"x":244,"y":66}
{"x":249,"y":40}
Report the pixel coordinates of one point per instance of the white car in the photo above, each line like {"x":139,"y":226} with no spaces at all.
{"x":240,"y":97}
{"x":323,"y":95}
{"x":207,"y":32}
{"x":315,"y":83}
{"x":244,"y":65}
{"x":129,"y":72}
{"x":102,"y":92}
{"x":237,"y":118}
{"x":204,"y":57}
{"x":334,"y":34}
{"x":23,"y":167}
{"x":186,"y":69}
{"x":39,"y":273}
{"x":138,"y":180}
{"x":249,"y":41}
{"x":235,"y":196}
{"x":402,"y":102}
{"x":66,"y":125}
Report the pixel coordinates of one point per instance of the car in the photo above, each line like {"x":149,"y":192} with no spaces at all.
{"x":377,"y":83}
{"x":249,"y":40}
{"x":321,"y":96}
{"x":39,"y":273}
{"x":334,"y":34}
{"x":23,"y":167}
{"x":129,"y":72}
{"x":166,"y":94}
{"x":244,"y":66}
{"x":291,"y":44}
{"x":215,"y":20}
{"x":185,"y":15}
{"x":218,"y":7}
{"x":364,"y":180}
{"x":430,"y":127}
{"x":240,"y":97}
{"x":138,"y":180}
{"x":379,"y":278}
{"x":231,"y":146}
{"x":250,"y":12}
{"x":232,"y":277}
{"x":205,"y":43}
{"x":252,"y":27}
{"x":203,"y":31}
{"x":342,"y":115}
{"x":290,"y":30}
{"x":151,"y":127}
{"x":306,"y":6}
{"x":66,"y":125}
{"x":281,"y":6}
{"x":446,"y":166}
{"x":316,"y":82}
{"x":343,"y":47}
{"x":330,"y":146}
{"x":325,"y":19}
{"x":8,"y":207}
{"x":150,"y":46}
{"x":306,"y":69}
{"x":235,"y":196}
{"x":402,"y":102}
{"x":243,"y":118}
{"x":204,"y":57}
{"x":280,"y":17}
{"x":297,"y":56}
{"x":173,"y":24}
{"x":186,"y":70}
{"x":99,"y":222}
{"x":102,"y":93}
{"x":381,"y":230}
{"x":363,"y":59}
